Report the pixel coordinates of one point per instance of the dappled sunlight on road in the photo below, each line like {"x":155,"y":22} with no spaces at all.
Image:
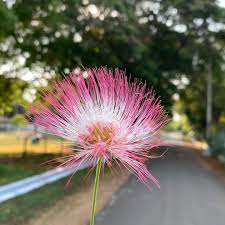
{"x":176,"y":138}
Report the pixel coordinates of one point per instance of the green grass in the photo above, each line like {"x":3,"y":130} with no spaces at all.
{"x":12,"y":169}
{"x":10,"y":173}
{"x":19,"y":210}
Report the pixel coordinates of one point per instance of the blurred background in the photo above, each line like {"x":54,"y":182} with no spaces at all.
{"x":177,"y":46}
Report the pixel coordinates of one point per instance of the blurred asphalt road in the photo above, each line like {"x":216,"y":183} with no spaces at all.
{"x":190,"y":195}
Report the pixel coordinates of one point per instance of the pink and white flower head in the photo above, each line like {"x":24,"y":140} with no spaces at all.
{"x":106,"y":116}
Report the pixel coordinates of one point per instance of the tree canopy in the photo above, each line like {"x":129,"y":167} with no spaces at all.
{"x":11,"y":93}
{"x":159,"y":41}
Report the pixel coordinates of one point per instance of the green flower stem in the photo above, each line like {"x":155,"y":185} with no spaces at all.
{"x":94,"y":197}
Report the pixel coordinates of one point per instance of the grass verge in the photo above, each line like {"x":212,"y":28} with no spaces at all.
{"x":19,"y":210}
{"x":213,"y":164}
{"x":13,"y":169}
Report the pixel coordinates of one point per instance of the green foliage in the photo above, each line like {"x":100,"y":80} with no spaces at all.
{"x":193,"y":104}
{"x":155,"y":40}
{"x":217,"y":144}
{"x":182,"y":125}
{"x":8,"y":20}
{"x":19,"y":120}
{"x":11,"y":93}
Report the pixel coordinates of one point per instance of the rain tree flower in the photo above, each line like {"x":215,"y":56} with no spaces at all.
{"x":107,"y":116}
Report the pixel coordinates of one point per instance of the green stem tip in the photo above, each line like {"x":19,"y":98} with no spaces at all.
{"x":94,"y":196}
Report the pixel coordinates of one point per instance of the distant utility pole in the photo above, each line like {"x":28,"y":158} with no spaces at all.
{"x":209,"y":102}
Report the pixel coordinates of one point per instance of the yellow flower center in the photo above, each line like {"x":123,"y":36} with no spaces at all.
{"x":100,"y":133}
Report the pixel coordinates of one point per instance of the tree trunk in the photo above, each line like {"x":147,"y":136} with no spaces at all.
{"x":209,"y":103}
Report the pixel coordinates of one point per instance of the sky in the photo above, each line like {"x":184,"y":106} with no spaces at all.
{"x":221,"y":3}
